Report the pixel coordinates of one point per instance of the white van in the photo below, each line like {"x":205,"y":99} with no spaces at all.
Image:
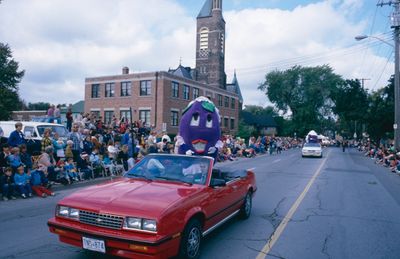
{"x":33,"y":131}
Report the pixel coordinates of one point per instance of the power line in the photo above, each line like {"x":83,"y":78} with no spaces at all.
{"x":384,"y":69}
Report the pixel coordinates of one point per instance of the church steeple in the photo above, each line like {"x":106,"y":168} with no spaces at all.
{"x":210,"y":46}
{"x":217,"y":4}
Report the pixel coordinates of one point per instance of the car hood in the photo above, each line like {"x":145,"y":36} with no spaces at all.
{"x":130,"y":197}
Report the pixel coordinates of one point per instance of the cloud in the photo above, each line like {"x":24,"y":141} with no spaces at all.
{"x":59,"y":43}
{"x":261,"y":40}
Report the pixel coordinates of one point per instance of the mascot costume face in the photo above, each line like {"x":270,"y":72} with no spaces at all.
{"x":199,"y":128}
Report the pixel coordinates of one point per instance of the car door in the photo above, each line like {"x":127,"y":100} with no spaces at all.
{"x":218,"y":204}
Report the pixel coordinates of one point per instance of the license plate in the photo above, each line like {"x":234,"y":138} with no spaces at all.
{"x":94,"y":244}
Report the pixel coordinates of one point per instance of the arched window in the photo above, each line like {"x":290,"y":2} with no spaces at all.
{"x":222,"y":42}
{"x":204,"y":38}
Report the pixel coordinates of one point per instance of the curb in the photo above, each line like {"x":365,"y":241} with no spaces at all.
{"x":60,"y":187}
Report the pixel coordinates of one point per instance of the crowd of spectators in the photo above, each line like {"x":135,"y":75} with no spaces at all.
{"x":93,"y":149}
{"x":383,"y":154}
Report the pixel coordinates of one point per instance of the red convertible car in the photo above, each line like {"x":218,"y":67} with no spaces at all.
{"x":161,"y":208}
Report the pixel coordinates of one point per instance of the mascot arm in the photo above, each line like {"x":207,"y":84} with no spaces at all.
{"x":185,"y":150}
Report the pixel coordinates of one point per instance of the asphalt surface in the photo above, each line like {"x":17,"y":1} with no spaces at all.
{"x":351,"y":210}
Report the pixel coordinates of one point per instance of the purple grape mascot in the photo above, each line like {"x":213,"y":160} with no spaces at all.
{"x":199,"y":131}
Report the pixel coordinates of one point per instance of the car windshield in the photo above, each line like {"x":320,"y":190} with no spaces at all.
{"x":312,"y":145}
{"x":61,"y":130}
{"x":173,"y":168}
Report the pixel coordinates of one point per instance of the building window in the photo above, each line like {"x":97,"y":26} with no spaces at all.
{"x":144,"y":116}
{"x":232,"y":124}
{"x":219,"y":100}
{"x":108,"y":117}
{"x":196,"y":92}
{"x":186,"y":91}
{"x":204,"y":38}
{"x":226,"y":121}
{"x":175,"y":89}
{"x":174,"y":118}
{"x":110,"y":90}
{"x":126,"y":115}
{"x":233,"y":103}
{"x":222,"y":42}
{"x":126,"y":88}
{"x":145,"y":88}
{"x":95,"y":91}
{"x":226,"y":101}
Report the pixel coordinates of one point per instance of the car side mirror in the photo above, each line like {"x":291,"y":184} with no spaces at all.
{"x":217,"y":182}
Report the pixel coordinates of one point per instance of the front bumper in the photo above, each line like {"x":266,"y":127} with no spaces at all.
{"x":312,"y":154}
{"x":131,"y":245}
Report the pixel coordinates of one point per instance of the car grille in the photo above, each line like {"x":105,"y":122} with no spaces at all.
{"x":101,"y":220}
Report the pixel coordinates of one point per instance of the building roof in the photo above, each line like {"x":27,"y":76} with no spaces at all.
{"x":76,"y":108}
{"x":235,"y":87}
{"x":181,"y":71}
{"x":258,"y":120}
{"x":206,"y":11}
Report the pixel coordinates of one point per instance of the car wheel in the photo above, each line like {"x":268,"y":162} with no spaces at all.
{"x":245,"y":211}
{"x":191,"y":240}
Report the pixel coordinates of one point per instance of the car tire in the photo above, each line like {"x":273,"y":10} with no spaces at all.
{"x":245,"y":210}
{"x":191,"y":240}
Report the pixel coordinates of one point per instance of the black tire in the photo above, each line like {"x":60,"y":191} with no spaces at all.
{"x":191,"y":240}
{"x":245,"y":210}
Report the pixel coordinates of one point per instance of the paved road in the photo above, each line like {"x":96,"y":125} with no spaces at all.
{"x":350,"y":209}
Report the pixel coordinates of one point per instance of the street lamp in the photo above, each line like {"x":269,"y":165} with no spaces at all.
{"x":396,"y":26}
{"x":362,"y":37}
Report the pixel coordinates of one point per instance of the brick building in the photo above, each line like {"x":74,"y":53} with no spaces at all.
{"x":158,"y":98}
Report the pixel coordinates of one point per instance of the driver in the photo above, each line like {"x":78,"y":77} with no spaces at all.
{"x":155,"y":168}
{"x":196,"y":168}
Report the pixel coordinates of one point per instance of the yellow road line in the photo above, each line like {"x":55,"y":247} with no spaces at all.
{"x":279,"y":230}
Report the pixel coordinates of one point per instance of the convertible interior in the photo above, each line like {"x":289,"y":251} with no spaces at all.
{"x":228,"y":175}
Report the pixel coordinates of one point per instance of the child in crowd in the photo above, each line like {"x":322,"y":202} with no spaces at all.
{"x":38,"y":183}
{"x":7,"y":184}
{"x":14,"y":160}
{"x":26,"y":158}
{"x":3,"y":157}
{"x":83,"y":165}
{"x":62,"y":174}
{"x":70,"y":170}
{"x":68,"y":150}
{"x":22,"y":182}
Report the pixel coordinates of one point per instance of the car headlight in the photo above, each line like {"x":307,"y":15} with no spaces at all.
{"x":73,"y":213}
{"x":149,"y":225}
{"x":62,"y":211}
{"x":135,"y":223}
{"x":67,"y":212}
{"x":140,"y":224}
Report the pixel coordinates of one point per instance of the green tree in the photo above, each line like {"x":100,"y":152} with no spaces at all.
{"x":304,"y":93}
{"x":9,"y":80}
{"x":380,"y":112}
{"x":38,"y":106}
{"x":351,"y":102}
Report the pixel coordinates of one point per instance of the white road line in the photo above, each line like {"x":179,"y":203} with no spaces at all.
{"x":276,"y":161}
{"x":279,"y":230}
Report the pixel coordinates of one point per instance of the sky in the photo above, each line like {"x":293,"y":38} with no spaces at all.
{"x":61,"y":42}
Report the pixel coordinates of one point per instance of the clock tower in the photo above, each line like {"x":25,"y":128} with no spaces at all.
{"x":210,"y":45}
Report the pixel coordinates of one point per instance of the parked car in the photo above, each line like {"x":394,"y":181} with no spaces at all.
{"x":33,"y":132}
{"x":311,"y":149}
{"x":161,"y":208}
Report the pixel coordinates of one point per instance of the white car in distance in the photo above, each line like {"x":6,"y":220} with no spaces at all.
{"x":311,"y":150}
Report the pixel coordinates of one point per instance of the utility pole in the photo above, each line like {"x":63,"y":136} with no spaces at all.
{"x":363,"y":81}
{"x":395,"y":19}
